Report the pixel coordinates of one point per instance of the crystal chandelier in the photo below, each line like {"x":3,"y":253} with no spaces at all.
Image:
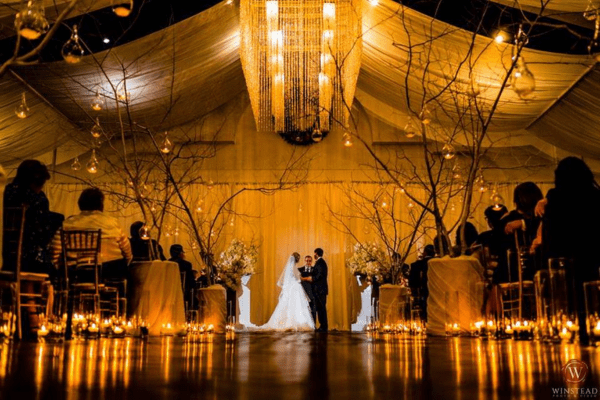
{"x":301,"y":60}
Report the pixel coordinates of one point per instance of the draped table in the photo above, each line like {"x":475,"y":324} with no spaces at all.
{"x":155,"y":294}
{"x":456,"y":287}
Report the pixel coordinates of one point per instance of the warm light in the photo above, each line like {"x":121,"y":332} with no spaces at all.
{"x":497,"y":201}
{"x":499,"y":38}
{"x":410,"y":130}
{"x":329,"y":10}
{"x":374,"y":2}
{"x":22,"y":110}
{"x":523,"y":81}
{"x":96,"y":130}
{"x":30,"y":21}
{"x":92,"y":164}
{"x":43,"y":331}
{"x":122,"y":8}
{"x":72,"y":51}
{"x":272,"y":8}
{"x":145,"y":233}
{"x":317,"y":135}
{"x":166,"y":145}
{"x":97,"y":103}
{"x":76,"y":165}
{"x":106,"y":40}
{"x":347,"y":138}
{"x":448,"y":151}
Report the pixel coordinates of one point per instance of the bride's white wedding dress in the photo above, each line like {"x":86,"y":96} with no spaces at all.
{"x":292,"y":312}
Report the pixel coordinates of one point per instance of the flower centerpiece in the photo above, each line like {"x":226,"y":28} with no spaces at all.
{"x":368,"y":260}
{"x":371,"y":261}
{"x":235,"y":262}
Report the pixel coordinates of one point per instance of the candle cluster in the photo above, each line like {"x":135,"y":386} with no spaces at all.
{"x":91,"y":326}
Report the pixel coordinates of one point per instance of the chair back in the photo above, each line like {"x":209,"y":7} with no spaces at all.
{"x":13,"y":232}
{"x":81,"y":250}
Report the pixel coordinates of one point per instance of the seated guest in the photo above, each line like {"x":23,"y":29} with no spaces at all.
{"x":141,"y":247}
{"x":40,"y":222}
{"x":115,"y":250}
{"x":471,"y":235}
{"x":417,"y":278}
{"x":570,"y":226}
{"x":185,"y":268}
{"x":520,"y":227}
{"x":492,"y":241}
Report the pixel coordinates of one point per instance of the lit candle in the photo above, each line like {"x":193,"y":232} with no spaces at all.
{"x":93,"y":328}
{"x":167,"y":329}
{"x":572,"y":327}
{"x":509,"y":330}
{"x":117,"y":330}
{"x":564,"y":334}
{"x":596,"y":329}
{"x":210,"y":328}
{"x":43,"y":331}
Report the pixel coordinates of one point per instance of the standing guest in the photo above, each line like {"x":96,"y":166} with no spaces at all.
{"x":417,"y":278}
{"x":115,"y":250}
{"x":570,"y":226}
{"x":185,"y":268}
{"x":141,"y":247}
{"x":40,"y":222}
{"x":520,"y":227}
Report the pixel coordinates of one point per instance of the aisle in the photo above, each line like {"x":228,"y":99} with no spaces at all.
{"x":288,"y":366}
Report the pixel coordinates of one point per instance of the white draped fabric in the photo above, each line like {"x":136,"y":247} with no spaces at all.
{"x":455,"y":293}
{"x":156,"y":294}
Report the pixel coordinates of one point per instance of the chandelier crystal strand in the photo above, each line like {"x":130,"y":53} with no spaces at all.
{"x":288,"y":53}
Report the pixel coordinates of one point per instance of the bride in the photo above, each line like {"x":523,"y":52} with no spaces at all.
{"x":292,"y":311}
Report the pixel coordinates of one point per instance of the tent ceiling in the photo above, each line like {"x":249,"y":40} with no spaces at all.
{"x":198,"y":58}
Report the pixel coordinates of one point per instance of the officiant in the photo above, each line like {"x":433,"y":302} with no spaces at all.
{"x":305,"y":272}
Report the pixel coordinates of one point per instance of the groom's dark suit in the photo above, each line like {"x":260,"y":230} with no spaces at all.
{"x":305,"y":272}
{"x":320,"y":291}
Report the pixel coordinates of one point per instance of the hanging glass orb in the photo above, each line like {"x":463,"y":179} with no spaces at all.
{"x":347,"y":139}
{"x":425,"y":115}
{"x":317,"y":135}
{"x":97,"y":103}
{"x":72,"y":51}
{"x":456,"y":172}
{"x":591,"y":11}
{"x":200,"y":206}
{"x":145,"y":232}
{"x":366,"y":229}
{"x":448,"y":151}
{"x":523,"y":81}
{"x":482,"y":186}
{"x":384,"y":203}
{"x":300,"y":208}
{"x":22,"y":110}
{"x":497,"y":201}
{"x":76,"y":165}
{"x":231,"y":222}
{"x":410,"y":130}
{"x":153,"y":208}
{"x":30,"y":21}
{"x":96,"y":130}
{"x":400,"y":189}
{"x":92,"y":164}
{"x":166,"y":145}
{"x":452,"y":207}
{"x":122,"y":8}
{"x":210,"y":184}
{"x":410,"y":204}
{"x":194,"y":246}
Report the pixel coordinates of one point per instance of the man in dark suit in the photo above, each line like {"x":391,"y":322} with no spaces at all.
{"x":320,"y":289}
{"x":305,"y":272}
{"x":186,"y":270}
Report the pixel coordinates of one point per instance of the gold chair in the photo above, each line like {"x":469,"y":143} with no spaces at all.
{"x":13,"y":278}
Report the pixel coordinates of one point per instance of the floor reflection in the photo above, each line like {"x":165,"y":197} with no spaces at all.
{"x":302,"y":365}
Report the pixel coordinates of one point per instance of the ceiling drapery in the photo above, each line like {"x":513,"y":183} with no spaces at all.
{"x":199,"y":59}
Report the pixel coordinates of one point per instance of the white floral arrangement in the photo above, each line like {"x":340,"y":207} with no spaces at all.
{"x":369,"y":260}
{"x":237,"y":261}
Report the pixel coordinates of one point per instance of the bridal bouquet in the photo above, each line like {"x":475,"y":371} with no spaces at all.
{"x":237,"y":261}
{"x":369,"y":260}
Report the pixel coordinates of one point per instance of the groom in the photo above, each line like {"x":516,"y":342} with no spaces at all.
{"x":320,"y":289}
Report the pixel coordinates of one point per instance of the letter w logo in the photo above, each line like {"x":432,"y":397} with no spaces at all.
{"x":575,"y":371}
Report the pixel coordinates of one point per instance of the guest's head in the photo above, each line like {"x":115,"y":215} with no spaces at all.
{"x":318,"y":253}
{"x":91,"y":199}
{"x":494,"y":214}
{"x":471,"y":235}
{"x":429,"y":251}
{"x":176,"y":251}
{"x":573,"y":174}
{"x":134,"y":229}
{"x":296,"y":256}
{"x":308,"y":260}
{"x":32,"y":174}
{"x":526,"y":196}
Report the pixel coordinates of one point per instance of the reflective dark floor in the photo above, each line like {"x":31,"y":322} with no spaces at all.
{"x":289,"y":366}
